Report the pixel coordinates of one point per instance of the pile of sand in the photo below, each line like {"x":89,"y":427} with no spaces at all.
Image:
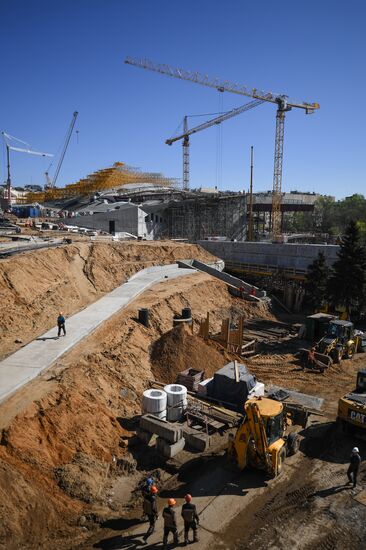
{"x":179,"y":349}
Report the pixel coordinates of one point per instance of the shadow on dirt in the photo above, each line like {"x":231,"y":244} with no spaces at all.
{"x":119,"y":524}
{"x":120,"y":542}
{"x":331,"y":491}
{"x":326,"y":442}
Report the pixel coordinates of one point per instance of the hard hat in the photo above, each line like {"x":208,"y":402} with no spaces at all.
{"x":188,"y":498}
{"x":149,"y":481}
{"x":172,"y":501}
{"x":154,"y":490}
{"x":355,"y":450}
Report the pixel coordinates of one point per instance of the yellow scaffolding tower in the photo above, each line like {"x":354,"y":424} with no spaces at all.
{"x":113,"y":177}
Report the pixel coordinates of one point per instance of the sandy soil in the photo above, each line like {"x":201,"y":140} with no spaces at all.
{"x":64,"y":436}
{"x":69,"y":461}
{"x":35,"y":286}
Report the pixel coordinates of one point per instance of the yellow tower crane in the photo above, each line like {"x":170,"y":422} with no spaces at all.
{"x":281,"y":100}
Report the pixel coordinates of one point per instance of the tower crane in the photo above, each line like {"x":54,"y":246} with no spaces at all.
{"x":28,"y":150}
{"x":50,"y":184}
{"x":283,"y":103}
{"x":217,"y":120}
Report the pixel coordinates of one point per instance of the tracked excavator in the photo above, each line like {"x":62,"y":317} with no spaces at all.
{"x":266,"y":435}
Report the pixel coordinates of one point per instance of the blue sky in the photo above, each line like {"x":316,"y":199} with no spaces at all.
{"x":64,"y":55}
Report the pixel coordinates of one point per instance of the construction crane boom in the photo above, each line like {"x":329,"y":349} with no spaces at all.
{"x":216,"y":120}
{"x":283,"y":105}
{"x":203,"y":126}
{"x":9,"y":148}
{"x":29,"y":151}
{"x":51,"y":184}
{"x":221,"y":85}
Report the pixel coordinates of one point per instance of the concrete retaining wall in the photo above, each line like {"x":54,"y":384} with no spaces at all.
{"x":287,"y":255}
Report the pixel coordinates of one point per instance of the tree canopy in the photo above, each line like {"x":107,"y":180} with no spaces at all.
{"x":330,"y":217}
{"x":317,"y":282}
{"x":347,"y":283}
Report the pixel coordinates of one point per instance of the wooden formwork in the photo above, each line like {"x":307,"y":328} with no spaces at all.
{"x":231,"y":338}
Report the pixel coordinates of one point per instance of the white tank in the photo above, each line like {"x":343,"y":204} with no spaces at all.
{"x":154,"y":402}
{"x":176,"y":401}
{"x":176,"y":395}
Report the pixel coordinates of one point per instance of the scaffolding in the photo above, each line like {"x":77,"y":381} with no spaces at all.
{"x":113,"y":177}
{"x":204,"y":216}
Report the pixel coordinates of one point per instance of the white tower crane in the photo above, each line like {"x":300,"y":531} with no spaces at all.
{"x":28,"y":150}
{"x":281,"y":100}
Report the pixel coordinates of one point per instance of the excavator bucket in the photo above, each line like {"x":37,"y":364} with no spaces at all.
{"x":320,"y":362}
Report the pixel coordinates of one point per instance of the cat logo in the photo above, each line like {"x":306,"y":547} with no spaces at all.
{"x":357,"y":417}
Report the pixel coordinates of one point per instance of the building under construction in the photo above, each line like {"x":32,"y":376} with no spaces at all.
{"x":200,"y":216}
{"x":163,"y":213}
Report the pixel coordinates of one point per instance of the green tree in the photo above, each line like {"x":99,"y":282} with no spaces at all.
{"x":317,"y":282}
{"x":347,"y":284}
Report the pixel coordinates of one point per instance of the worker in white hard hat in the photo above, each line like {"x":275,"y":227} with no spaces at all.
{"x":354,"y":466}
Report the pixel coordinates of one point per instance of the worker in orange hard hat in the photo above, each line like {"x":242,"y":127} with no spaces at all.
{"x":191,"y":519}
{"x":150,"y":510}
{"x":170,"y":523}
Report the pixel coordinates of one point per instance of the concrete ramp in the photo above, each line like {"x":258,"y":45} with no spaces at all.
{"x":26,"y":363}
{"x":215,"y":270}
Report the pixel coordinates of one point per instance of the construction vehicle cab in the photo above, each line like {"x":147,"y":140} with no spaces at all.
{"x":261,"y":440}
{"x":352,"y":408}
{"x":338,"y":342}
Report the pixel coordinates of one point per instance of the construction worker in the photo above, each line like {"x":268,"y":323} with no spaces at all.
{"x":170,"y":523}
{"x":61,"y":324}
{"x":151,"y":510}
{"x":146,"y":491}
{"x":353,"y":467}
{"x":311,"y":355}
{"x":191,"y":519}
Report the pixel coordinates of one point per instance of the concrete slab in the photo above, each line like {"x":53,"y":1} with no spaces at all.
{"x":17,"y":369}
{"x":198,"y":441}
{"x":170,"y":432}
{"x":168,"y":450}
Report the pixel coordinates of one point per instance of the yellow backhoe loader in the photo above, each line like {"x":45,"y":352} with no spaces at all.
{"x":263,"y":440}
{"x":338,"y":343}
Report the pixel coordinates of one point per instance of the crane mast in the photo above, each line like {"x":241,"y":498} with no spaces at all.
{"x":283,"y":105}
{"x":185,"y":145}
{"x":217,"y":120}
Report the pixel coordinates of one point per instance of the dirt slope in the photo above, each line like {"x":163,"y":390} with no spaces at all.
{"x":35,"y":286}
{"x":179,"y":348}
{"x":63,"y":430}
